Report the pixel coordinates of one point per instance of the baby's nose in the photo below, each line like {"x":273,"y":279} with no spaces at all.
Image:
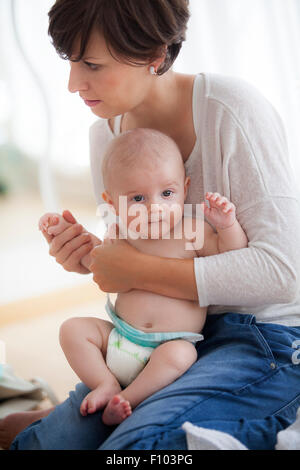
{"x":155,"y":213}
{"x":154,"y":208}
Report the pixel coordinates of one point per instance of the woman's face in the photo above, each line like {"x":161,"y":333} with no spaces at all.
{"x":109,"y":87}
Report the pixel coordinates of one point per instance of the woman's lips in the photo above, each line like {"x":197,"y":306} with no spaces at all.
{"x":92,"y":103}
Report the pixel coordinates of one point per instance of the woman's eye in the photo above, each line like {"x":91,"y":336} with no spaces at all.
{"x":167,"y":193}
{"x":92,"y":66}
{"x":137,"y":198}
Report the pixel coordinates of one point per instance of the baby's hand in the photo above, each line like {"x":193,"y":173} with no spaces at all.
{"x":221,"y":212}
{"x":53,"y":223}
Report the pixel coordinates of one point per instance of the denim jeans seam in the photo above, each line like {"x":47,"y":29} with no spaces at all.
{"x":232,"y":392}
{"x":267,"y":376}
{"x":263,"y":343}
{"x":283,"y":408}
{"x":192,"y":406}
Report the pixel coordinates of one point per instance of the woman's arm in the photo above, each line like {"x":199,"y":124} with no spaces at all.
{"x":119,"y":267}
{"x":267,"y":271}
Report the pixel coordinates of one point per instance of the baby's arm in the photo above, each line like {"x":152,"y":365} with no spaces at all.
{"x":230,"y":235}
{"x":54,"y":224}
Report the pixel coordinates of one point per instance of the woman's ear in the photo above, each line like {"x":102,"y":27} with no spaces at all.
{"x":106,"y":198}
{"x":158,"y":62}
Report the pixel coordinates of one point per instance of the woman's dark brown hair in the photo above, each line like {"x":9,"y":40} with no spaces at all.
{"x":136,"y":31}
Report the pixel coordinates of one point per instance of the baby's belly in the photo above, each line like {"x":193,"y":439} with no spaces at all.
{"x":148,"y":312}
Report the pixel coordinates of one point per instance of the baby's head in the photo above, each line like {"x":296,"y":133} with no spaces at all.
{"x":145,"y":167}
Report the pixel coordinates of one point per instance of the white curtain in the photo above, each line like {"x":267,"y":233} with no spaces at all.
{"x":257,"y":40}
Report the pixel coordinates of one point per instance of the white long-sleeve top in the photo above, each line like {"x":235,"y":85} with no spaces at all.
{"x":240,"y":152}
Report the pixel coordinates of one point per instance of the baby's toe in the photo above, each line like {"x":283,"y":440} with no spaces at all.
{"x":84,"y":408}
{"x":91,"y":408}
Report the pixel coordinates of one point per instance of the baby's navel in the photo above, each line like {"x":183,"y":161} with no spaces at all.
{"x":148,"y":325}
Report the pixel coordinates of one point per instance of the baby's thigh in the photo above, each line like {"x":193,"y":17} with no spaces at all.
{"x":92,"y":329}
{"x":178,"y":353}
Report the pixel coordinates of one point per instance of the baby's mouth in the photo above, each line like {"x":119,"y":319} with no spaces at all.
{"x":155,"y":217}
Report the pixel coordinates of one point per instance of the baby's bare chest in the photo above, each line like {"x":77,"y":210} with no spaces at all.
{"x":168,"y":248}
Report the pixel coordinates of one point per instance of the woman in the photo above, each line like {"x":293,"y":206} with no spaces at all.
{"x":245,"y":382}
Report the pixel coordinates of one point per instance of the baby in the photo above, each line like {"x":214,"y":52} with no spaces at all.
{"x":151,"y":339}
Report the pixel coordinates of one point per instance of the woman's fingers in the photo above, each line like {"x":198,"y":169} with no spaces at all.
{"x":71,"y":246}
{"x":72,"y":263}
{"x":60,"y":240}
{"x":68,"y":216}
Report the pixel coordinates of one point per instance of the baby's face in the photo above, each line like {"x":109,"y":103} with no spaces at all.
{"x":152,"y":200}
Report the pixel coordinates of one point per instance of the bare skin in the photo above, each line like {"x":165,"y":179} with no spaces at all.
{"x":14,"y":423}
{"x":117,"y":409}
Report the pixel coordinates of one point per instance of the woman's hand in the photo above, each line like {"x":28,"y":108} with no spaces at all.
{"x":69,"y":247}
{"x":115,"y":265}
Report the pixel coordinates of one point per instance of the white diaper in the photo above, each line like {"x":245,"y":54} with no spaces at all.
{"x":124,"y":358}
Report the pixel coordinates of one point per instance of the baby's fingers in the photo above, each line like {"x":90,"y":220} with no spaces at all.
{"x":229,"y":207}
{"x":220,"y":201}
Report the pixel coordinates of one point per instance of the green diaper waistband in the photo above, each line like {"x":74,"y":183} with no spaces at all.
{"x":152,"y":339}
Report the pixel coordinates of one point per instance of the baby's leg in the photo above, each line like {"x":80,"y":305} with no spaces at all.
{"x":84,"y":342}
{"x":167,"y":362}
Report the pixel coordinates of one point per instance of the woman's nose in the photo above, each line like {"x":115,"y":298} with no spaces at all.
{"x":76,"y":80}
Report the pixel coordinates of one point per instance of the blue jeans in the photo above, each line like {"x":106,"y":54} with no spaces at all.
{"x":244,"y":383}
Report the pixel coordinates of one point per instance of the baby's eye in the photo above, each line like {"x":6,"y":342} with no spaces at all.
{"x":138,"y":198}
{"x":167,"y":193}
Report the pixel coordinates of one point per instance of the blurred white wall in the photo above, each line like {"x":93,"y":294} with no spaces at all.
{"x":28,"y":125}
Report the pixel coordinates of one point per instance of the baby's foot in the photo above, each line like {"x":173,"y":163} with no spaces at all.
{"x":116,"y":410}
{"x":53,"y":223}
{"x":98,"y":398}
{"x":48,"y":220}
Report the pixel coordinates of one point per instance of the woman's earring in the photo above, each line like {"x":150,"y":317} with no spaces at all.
{"x":152,"y":70}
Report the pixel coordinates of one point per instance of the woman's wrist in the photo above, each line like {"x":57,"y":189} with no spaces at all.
{"x":171,"y":277}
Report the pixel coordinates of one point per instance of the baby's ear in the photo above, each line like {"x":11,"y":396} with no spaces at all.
{"x":186,"y":185}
